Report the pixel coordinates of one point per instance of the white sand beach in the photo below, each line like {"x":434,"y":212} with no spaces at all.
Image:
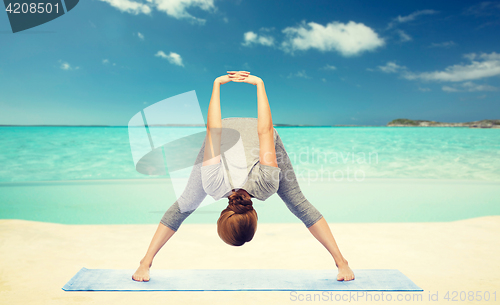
{"x":38,"y":258}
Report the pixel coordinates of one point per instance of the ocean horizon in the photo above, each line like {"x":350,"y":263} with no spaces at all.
{"x":68,"y":153}
{"x":200,"y":125}
{"x":369,"y":174}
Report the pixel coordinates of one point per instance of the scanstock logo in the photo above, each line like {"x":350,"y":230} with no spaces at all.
{"x":25,"y":15}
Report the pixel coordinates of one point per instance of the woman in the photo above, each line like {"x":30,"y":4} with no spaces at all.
{"x":270,"y":172}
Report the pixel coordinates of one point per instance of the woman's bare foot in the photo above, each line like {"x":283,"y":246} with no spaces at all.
{"x":142,"y":273}
{"x":345,"y":272}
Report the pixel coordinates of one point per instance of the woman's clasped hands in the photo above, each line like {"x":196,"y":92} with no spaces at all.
{"x":239,"y":77}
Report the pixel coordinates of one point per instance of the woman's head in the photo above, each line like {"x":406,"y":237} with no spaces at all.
{"x":238,"y":222}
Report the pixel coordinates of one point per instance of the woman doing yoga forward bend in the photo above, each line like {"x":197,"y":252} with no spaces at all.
{"x":240,"y":177}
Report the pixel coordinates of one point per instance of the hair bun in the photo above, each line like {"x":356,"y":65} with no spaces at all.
{"x":240,"y":208}
{"x":239,"y":203}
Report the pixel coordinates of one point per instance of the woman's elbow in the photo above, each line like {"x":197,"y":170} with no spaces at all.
{"x":264,"y":130}
{"x":214,"y":131}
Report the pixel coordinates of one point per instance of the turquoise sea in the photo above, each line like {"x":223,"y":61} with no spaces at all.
{"x":86,"y":175}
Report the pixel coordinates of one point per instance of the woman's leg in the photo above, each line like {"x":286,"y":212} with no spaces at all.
{"x":162,"y":235}
{"x":173,"y":218}
{"x":289,"y":191}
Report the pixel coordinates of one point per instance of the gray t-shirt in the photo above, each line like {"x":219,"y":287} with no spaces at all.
{"x":239,"y":166}
{"x":289,"y":189}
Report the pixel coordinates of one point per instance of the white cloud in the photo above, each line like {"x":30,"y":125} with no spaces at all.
{"x":391,"y":67}
{"x":178,"y":8}
{"x":470,"y":56}
{"x":403,"y":36}
{"x":449,"y":89}
{"x":486,"y":8}
{"x":329,"y":67}
{"x":346,"y":38}
{"x":140,"y":35}
{"x":411,"y":17}
{"x":471,"y":87}
{"x":264,"y":29}
{"x":301,"y":74}
{"x":415,"y":14}
{"x":130,"y":6}
{"x":492,"y":56}
{"x":481,"y":66}
{"x":468,"y":87}
{"x":107,"y":62}
{"x":253,"y":38}
{"x":445,"y":44}
{"x":66,"y":66}
{"x":174,"y":8}
{"x":173,"y":58}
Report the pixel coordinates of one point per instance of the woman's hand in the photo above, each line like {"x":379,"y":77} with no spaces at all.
{"x":239,"y":75}
{"x":244,"y":77}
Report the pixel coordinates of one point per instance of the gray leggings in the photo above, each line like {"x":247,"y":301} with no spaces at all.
{"x":289,"y":191}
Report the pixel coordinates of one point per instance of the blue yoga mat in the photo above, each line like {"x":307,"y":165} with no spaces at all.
{"x":240,"y":280}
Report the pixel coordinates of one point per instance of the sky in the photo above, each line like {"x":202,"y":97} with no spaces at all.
{"x":322,"y":62}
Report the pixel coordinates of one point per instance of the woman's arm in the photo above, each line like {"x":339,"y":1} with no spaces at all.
{"x":267,"y":152}
{"x":214,"y":125}
{"x":265,"y":120}
{"x":214,"y":121}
